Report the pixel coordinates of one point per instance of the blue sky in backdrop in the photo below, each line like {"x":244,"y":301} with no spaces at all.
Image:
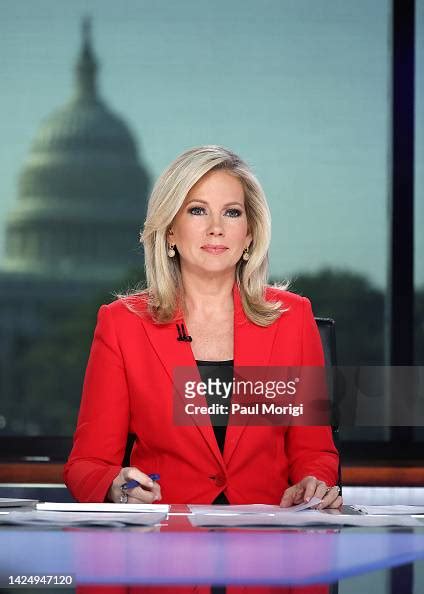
{"x":301,"y":90}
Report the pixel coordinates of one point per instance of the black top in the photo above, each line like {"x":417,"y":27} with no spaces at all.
{"x":224,"y":371}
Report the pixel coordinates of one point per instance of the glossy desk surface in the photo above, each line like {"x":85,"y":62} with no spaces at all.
{"x":176,"y":553}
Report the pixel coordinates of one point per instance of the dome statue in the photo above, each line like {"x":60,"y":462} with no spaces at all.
{"x":82,"y":191}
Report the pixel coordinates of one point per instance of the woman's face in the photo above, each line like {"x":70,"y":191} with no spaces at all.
{"x":210,"y":230}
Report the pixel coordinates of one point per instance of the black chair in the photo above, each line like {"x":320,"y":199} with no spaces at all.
{"x":327,"y":331}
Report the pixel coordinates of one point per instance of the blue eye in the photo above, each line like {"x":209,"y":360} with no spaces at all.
{"x":194,"y":210}
{"x":235,"y":212}
{"x":200,"y":210}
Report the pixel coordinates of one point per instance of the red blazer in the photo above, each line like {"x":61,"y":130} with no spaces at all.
{"x":128,"y":389}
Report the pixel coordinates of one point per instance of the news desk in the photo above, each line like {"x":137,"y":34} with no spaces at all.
{"x":175,"y":553}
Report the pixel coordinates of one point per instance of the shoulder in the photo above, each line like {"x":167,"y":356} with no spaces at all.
{"x":287,"y":298}
{"x":123,"y":309}
{"x":294,"y":308}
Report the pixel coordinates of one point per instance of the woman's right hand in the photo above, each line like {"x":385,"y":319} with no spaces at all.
{"x":147,"y":492}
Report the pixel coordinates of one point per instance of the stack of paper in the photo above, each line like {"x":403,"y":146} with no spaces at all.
{"x":257,"y":515}
{"x":404,"y":510}
{"x":103,"y":507}
{"x":40,"y":518}
{"x":12,"y":502}
{"x":253,"y":508}
{"x":87,"y":514}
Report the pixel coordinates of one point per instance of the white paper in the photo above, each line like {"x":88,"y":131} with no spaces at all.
{"x":11,"y":502}
{"x":383,"y":495}
{"x":254,"y":508}
{"x":104,"y":507}
{"x":56,"y":518}
{"x":406,"y":510}
{"x":305,"y":518}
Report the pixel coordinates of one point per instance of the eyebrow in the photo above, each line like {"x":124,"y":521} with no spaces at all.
{"x":204,"y":202}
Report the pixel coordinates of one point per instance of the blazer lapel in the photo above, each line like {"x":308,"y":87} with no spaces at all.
{"x":173,"y":354}
{"x":252,"y":347}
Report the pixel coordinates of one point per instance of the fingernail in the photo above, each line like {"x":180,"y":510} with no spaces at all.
{"x":307,"y":499}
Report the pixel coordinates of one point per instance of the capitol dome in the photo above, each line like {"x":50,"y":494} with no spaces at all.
{"x":82,"y":191}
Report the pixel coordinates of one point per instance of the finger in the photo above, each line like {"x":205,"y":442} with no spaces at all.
{"x":320,"y":491}
{"x":157,"y":492}
{"x":147,"y":492}
{"x":132,"y":473}
{"x":140,"y":492}
{"x":338,"y":502}
{"x":311,"y":486}
{"x":288,"y":497}
{"x":141,"y":496}
{"x":154,"y":489}
{"x":329,"y":497}
{"x":294,"y":495}
{"x":299,"y":496}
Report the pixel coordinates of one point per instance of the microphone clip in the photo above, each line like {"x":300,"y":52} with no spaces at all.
{"x":182,"y":336}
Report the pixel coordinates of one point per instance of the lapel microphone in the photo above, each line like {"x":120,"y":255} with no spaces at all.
{"x":182,"y":336}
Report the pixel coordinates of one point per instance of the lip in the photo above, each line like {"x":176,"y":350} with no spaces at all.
{"x":214,"y":249}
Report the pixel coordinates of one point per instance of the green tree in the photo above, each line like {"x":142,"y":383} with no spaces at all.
{"x":51,"y":368}
{"x":357,"y":308}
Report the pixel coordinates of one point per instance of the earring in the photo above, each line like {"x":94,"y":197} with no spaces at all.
{"x":246,"y":254}
{"x":171,"y":251}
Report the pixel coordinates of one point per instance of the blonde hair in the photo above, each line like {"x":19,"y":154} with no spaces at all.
{"x":164,"y":291}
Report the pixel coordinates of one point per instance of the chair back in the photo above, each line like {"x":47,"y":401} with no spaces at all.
{"x":327,"y":331}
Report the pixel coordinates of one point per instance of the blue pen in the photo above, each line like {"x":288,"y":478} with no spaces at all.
{"x":133,"y":483}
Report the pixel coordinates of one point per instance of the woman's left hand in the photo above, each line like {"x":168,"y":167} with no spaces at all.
{"x":310,"y":487}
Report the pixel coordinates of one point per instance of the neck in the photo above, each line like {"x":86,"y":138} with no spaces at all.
{"x":207,"y":296}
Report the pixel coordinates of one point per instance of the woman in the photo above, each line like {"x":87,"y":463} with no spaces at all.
{"x":206,"y":240}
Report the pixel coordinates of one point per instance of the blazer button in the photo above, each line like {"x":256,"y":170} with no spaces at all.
{"x":220,"y":480}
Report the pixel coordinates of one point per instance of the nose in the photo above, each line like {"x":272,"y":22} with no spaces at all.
{"x":215,"y":226}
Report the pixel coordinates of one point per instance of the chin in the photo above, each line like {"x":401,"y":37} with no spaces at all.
{"x":215,"y":267}
{"x":210,"y":267}
{"x":218,"y":269}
